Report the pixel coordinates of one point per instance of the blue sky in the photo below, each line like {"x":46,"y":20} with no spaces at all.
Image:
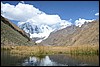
{"x":65,"y":9}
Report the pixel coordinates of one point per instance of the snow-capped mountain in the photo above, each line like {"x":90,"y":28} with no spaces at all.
{"x":87,"y":34}
{"x":80,"y":22}
{"x":39,"y":32}
{"x":36,"y":32}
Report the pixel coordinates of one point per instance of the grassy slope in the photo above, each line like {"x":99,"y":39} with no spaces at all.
{"x":10,"y":34}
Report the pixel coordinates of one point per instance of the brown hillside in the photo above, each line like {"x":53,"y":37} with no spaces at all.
{"x":88,"y":34}
{"x":13,"y":35}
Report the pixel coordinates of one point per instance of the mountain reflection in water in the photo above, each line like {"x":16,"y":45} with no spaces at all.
{"x":59,"y":60}
{"x":34,"y":61}
{"x":8,"y":59}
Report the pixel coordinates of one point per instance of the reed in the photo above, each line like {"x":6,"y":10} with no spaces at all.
{"x":48,"y":50}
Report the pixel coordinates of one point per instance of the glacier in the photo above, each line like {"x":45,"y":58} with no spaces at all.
{"x":40,"y":32}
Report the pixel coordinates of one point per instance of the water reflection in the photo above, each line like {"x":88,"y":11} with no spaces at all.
{"x":76,"y":60}
{"x":46,"y":62}
{"x":8,"y":59}
{"x":34,"y":61}
{"x":57,"y":60}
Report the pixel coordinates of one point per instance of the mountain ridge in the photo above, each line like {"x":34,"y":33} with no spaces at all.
{"x":88,"y":33}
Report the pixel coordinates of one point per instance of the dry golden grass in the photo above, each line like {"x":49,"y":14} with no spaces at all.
{"x":44,"y":50}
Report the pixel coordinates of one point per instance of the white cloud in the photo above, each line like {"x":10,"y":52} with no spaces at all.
{"x":28,"y":13}
{"x":45,"y":19}
{"x":22,"y":2}
{"x":65,"y":23}
{"x":80,"y":22}
{"x":96,"y":14}
{"x":20,"y":12}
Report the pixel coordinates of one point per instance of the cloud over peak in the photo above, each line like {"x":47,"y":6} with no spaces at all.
{"x":28,"y":13}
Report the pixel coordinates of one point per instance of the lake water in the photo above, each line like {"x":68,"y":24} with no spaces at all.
{"x":8,"y":59}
